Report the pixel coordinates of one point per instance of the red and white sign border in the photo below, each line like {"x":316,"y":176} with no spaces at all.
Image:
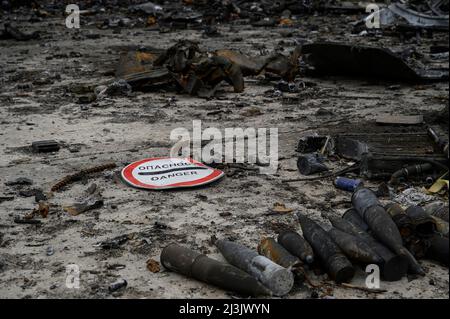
{"x":127,"y":176}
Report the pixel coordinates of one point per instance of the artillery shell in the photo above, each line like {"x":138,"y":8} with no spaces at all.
{"x":354,"y":248}
{"x":278,"y":279}
{"x":393,"y":267}
{"x":403,"y":221}
{"x":297,"y":246}
{"x":338,"y":266}
{"x":353,"y":216}
{"x":274,"y":251}
{"x":424,"y":224}
{"x":438,"y":249}
{"x":382,"y":225}
{"x":198,"y":266}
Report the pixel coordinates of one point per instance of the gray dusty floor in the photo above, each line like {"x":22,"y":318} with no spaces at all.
{"x":123,"y":130}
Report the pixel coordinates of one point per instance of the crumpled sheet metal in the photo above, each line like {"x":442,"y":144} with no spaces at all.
{"x":396,"y":13}
{"x":197,"y":72}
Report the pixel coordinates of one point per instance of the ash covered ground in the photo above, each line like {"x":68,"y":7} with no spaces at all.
{"x":42,"y":81}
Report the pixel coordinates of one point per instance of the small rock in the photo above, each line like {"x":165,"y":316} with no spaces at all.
{"x":50,"y":251}
{"x":19,"y":181}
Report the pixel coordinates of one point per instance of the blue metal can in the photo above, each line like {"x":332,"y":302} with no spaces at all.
{"x":347,"y":184}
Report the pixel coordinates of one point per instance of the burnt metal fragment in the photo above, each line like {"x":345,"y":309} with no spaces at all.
{"x":311,"y":163}
{"x":274,"y":251}
{"x":119,"y":284}
{"x":114,"y":243}
{"x":297,"y":246}
{"x":198,"y":266}
{"x":45,"y":146}
{"x":339,"y":268}
{"x":311,"y":143}
{"x":278,"y":279}
{"x":382,"y":225}
{"x":81,"y":174}
{"x":329,"y":58}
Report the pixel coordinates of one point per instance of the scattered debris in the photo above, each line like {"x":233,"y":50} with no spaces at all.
{"x":45,"y":146}
{"x":119,"y":284}
{"x":280,"y":208}
{"x":153,"y":266}
{"x":364,"y":61}
{"x":80,"y":175}
{"x":114,"y":243}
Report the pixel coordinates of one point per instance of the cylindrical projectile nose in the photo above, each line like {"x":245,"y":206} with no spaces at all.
{"x":364,"y":198}
{"x":354,"y":247}
{"x":296,"y":245}
{"x":278,"y":279}
{"x":179,"y":259}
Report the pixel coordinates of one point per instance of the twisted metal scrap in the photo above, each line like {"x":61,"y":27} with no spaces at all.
{"x":81,"y":174}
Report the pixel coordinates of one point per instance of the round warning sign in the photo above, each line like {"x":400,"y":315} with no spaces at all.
{"x":164,"y":173}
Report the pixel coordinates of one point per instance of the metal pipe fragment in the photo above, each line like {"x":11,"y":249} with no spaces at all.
{"x":339,"y":268}
{"x":393,"y":267}
{"x":297,"y":246}
{"x":354,"y":248}
{"x":278,"y":279}
{"x":382,"y":225}
{"x":198,"y":266}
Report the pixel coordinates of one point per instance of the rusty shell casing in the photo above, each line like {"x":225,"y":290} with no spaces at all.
{"x":278,"y":279}
{"x":438,"y":249}
{"x":198,"y":266}
{"x":369,"y":208}
{"x":269,"y":248}
{"x":403,"y":221}
{"x":437,"y":209}
{"x":353,"y":216}
{"x":393,"y":268}
{"x":441,"y":226}
{"x":424,"y":224}
{"x":339,"y":268}
{"x":355,"y":248}
{"x":297,"y":246}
